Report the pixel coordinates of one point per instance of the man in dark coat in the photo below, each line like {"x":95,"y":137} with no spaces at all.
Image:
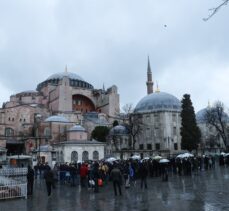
{"x":30,"y":181}
{"x":49,"y":179}
{"x":116,"y":177}
{"x":96,"y":176}
{"x":143,"y":172}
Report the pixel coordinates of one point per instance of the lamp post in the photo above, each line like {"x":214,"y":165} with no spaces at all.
{"x":37,"y":120}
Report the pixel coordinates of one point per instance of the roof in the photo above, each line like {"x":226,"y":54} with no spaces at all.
{"x":158,"y":101}
{"x":84,"y":142}
{"x":119,"y":130}
{"x":44,"y":148}
{"x":76,"y":128}
{"x":65,"y":74}
{"x":200,"y":116}
{"x":57,"y":118}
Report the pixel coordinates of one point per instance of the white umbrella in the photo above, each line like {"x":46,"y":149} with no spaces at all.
{"x":111,"y":159}
{"x":136,"y":157}
{"x":146,"y":158}
{"x":164,"y":160}
{"x":157,"y":157}
{"x":185,"y":155}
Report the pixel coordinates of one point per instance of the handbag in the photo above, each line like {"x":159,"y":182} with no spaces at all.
{"x":100,"y":182}
{"x":91,"y":182}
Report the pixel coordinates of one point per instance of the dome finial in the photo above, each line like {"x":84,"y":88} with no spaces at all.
{"x":157,"y":90}
{"x":66,"y":68}
{"x":209,"y":104}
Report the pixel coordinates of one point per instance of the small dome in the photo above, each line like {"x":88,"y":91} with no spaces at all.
{"x":158,"y":101}
{"x":77,"y":128}
{"x":119,"y":130}
{"x":57,"y":119}
{"x":65,"y":74}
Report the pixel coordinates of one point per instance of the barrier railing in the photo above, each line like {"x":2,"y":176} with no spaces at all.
{"x":13,"y":183}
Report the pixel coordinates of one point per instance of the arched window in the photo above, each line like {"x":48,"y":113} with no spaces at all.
{"x":95,"y":155}
{"x":47,"y":132}
{"x":74,"y":157}
{"x":85,"y":156}
{"x":9,"y":132}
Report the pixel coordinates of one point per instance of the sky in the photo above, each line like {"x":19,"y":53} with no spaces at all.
{"x":108,"y":42}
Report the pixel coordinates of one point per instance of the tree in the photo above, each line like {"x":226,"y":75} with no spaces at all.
{"x":214,"y":10}
{"x":128,"y":108}
{"x":216,"y":117}
{"x":135,"y":127}
{"x":100,"y":133}
{"x":115,"y":123}
{"x":190,"y":132}
{"x":133,"y":123}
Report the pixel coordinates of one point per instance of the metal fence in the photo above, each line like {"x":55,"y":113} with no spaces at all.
{"x":13,"y":183}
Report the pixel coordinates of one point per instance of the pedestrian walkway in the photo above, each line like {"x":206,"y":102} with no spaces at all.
{"x":204,"y":192}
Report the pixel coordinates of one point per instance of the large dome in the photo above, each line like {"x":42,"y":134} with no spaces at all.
{"x":158,"y":101}
{"x":201,"y":116}
{"x":65,"y":74}
{"x":74,"y":81}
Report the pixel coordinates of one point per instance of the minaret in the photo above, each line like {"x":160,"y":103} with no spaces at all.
{"x":149,"y":82}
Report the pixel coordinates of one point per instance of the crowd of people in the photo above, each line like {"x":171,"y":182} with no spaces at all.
{"x":93,"y":174}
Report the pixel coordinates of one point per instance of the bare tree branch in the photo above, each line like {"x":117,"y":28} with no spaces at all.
{"x":214,"y":10}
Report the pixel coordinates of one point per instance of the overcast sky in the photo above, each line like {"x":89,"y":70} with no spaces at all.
{"x":108,"y":41}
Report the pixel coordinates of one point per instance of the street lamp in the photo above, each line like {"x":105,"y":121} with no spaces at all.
{"x":37,"y":121}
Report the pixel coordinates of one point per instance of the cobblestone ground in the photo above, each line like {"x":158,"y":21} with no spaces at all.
{"x":208,"y":191}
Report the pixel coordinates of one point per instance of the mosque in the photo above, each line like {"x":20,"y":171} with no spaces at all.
{"x":33,"y":119}
{"x":156,"y":128}
{"x":55,"y":121}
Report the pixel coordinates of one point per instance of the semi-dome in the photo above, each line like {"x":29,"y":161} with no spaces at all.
{"x":77,"y":128}
{"x":158,"y":101}
{"x":119,"y":130}
{"x":57,"y":118}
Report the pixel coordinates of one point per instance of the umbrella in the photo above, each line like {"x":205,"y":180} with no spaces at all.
{"x":111,"y":159}
{"x":146,"y":158}
{"x":164,"y":161}
{"x":157,"y":157}
{"x":136,"y":157}
{"x":185,"y":155}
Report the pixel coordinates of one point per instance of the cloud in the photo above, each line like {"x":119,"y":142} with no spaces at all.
{"x":109,"y":41}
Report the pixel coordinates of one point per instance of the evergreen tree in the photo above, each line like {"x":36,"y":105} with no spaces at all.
{"x":190,"y":132}
{"x":100,"y":133}
{"x":115,"y":123}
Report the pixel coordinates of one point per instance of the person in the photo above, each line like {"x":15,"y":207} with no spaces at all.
{"x":116,"y":177}
{"x":30,"y":181}
{"x":143,"y":172}
{"x":83,"y":174}
{"x":96,"y":176}
{"x":49,"y":179}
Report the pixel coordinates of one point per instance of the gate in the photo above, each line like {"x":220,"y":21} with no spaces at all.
{"x":13,"y":183}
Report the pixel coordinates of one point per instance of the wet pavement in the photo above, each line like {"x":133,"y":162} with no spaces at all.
{"x":207,"y":191}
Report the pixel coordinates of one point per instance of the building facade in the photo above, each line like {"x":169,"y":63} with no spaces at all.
{"x":63,"y":95}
